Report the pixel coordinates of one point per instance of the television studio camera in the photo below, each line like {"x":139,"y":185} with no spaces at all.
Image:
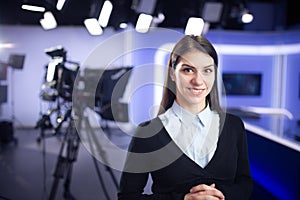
{"x":57,"y":90}
{"x":60,"y":84}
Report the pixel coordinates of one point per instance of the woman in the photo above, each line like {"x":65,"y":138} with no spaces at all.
{"x":192,"y":149}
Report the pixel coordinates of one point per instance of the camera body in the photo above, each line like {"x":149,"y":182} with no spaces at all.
{"x":60,"y":75}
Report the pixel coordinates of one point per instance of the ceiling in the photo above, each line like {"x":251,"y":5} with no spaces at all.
{"x":284,"y":14}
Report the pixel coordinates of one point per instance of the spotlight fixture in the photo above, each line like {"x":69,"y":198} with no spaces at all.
{"x":212,"y":12}
{"x":123,"y":25}
{"x":246,"y":16}
{"x":93,"y":26}
{"x":60,"y":4}
{"x":105,"y":13}
{"x":48,"y":22}
{"x":158,"y":19}
{"x":194,"y":26}
{"x":33,"y":8}
{"x":143,"y":23}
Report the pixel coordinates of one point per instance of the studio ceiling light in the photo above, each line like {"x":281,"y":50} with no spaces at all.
{"x":194,"y":26}
{"x":93,"y":26}
{"x":123,"y":25}
{"x":105,"y":13}
{"x":48,"y":22}
{"x":143,"y":23}
{"x":247,"y":17}
{"x":33,"y":8}
{"x":60,"y":4}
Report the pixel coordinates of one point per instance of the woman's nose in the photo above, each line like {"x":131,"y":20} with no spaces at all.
{"x":198,"y":79}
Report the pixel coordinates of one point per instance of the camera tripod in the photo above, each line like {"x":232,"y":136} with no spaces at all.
{"x":44,"y":123}
{"x":68,"y":155}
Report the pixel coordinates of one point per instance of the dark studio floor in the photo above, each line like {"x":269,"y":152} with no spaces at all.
{"x":27,"y":166}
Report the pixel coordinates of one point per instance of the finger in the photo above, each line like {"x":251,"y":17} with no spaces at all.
{"x":200,"y":187}
{"x":197,"y":196}
{"x":212,"y":192}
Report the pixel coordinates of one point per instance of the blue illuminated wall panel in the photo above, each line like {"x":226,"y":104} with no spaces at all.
{"x":292,"y":96}
{"x":250,"y":64}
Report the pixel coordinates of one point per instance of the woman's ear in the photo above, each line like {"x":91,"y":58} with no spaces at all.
{"x":172,"y":74}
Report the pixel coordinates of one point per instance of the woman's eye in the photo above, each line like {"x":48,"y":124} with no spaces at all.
{"x":208,"y":70}
{"x":188,"y":70}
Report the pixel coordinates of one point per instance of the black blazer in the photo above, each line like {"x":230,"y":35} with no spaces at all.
{"x":173,"y":173}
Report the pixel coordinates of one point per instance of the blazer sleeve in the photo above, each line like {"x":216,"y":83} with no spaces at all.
{"x":132,"y":183}
{"x":132,"y":188}
{"x":242,"y":186}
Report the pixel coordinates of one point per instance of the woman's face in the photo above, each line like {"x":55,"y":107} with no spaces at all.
{"x":194,"y":77}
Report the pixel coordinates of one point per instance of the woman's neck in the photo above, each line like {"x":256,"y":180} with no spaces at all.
{"x":194,"y":108}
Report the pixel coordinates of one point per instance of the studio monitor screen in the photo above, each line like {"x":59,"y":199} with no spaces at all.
{"x":243,"y":84}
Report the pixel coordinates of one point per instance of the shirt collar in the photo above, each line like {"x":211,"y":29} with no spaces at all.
{"x":205,"y":115}
{"x":186,"y":116}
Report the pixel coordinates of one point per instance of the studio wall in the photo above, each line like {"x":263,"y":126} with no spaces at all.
{"x":140,"y":51}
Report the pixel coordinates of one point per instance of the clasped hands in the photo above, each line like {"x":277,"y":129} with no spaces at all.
{"x":204,"y":192}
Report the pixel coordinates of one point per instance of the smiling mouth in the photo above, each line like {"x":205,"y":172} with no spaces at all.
{"x":196,"y":91}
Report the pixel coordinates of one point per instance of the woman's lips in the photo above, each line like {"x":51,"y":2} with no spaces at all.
{"x":196,"y":91}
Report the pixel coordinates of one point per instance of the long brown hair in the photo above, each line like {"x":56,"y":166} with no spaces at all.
{"x":186,"y":44}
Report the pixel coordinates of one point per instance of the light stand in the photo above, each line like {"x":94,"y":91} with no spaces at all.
{"x":3,"y":88}
{"x":15,"y":61}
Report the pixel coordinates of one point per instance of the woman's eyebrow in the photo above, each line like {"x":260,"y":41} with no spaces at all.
{"x":208,"y":66}
{"x":192,"y":66}
{"x":188,"y":65}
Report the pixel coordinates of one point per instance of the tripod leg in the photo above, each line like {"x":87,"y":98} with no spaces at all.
{"x":72,"y":153}
{"x":67,"y":192}
{"x":59,"y":171}
{"x":64,"y":163}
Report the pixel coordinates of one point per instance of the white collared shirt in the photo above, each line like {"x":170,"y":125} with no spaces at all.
{"x":195,"y":134}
